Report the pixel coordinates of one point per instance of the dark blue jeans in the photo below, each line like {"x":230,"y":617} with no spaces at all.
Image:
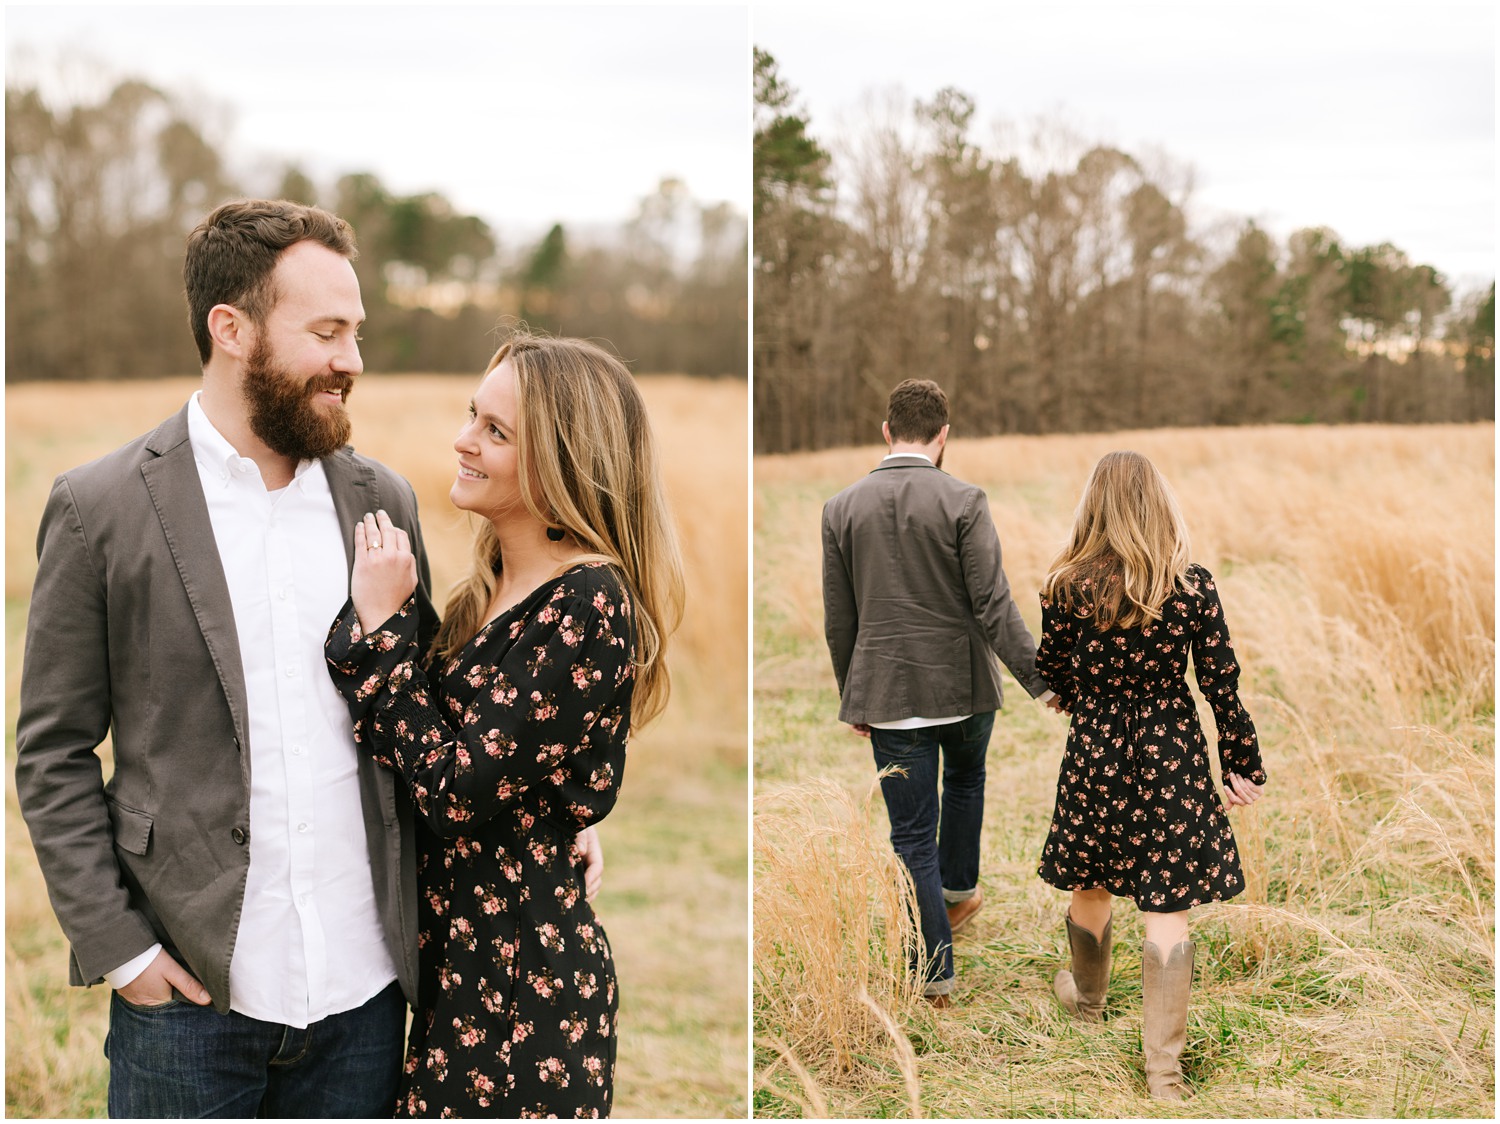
{"x":939,"y":843}
{"x":183,"y":1060}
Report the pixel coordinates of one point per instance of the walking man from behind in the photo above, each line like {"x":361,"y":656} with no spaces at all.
{"x":915,"y":609}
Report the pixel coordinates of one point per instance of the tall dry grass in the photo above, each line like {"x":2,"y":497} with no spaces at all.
{"x":1356,"y":974}
{"x":676,"y":849}
{"x":830,"y":966}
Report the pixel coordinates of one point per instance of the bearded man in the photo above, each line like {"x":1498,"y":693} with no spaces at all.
{"x":244,"y":882}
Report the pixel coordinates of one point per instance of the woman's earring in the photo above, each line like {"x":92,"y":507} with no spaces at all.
{"x":556,"y":534}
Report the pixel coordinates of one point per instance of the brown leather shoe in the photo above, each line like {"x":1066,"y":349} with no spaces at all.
{"x":939,"y":1001}
{"x":961,"y":913}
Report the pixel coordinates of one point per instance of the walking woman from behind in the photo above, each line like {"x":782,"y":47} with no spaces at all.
{"x":1137,"y":813}
{"x":510,"y":732}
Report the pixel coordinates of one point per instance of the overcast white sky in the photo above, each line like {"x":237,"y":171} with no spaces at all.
{"x":521,"y":114}
{"x":1377,"y":120}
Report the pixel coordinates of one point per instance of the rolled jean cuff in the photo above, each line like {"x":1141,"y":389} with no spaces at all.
{"x":938,"y":987}
{"x":953,"y":897}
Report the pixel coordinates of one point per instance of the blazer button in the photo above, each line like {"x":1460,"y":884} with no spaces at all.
{"x":238,"y":835}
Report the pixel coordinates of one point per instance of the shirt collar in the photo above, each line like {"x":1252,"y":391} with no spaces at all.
{"x":212,"y":450}
{"x":889,"y":456}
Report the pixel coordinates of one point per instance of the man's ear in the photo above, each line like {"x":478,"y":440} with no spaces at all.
{"x":230,"y":330}
{"x":942,"y":437}
{"x":885,"y":431}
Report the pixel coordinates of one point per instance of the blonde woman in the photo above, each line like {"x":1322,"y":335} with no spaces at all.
{"x":511,"y":731}
{"x":1137,"y":814}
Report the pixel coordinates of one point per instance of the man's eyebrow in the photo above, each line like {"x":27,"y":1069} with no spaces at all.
{"x":341,"y":321}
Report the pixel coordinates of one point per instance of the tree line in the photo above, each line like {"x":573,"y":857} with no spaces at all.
{"x":1059,"y":286}
{"x":101,"y":193}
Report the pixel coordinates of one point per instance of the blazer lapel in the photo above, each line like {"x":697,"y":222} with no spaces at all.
{"x":176,"y":491}
{"x":355,"y":491}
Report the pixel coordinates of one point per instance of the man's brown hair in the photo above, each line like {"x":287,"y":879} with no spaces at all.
{"x":917,"y":411}
{"x":233,"y":252}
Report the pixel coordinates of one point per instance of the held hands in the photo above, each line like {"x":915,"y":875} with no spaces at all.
{"x":860,"y":728}
{"x":153,"y":987}
{"x":1239,"y":791}
{"x":385,"y":570}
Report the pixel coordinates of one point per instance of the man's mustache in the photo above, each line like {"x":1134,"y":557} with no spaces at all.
{"x":341,"y":383}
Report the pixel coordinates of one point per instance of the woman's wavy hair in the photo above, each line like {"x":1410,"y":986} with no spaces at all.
{"x":587,"y":462}
{"x":1129,"y":548}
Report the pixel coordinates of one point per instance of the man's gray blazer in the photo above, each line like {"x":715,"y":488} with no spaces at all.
{"x":915,"y":603}
{"x":131,"y":632}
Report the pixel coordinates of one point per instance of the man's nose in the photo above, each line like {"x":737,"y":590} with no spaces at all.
{"x":346,"y":360}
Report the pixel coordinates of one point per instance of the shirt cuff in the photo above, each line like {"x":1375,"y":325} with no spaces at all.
{"x":126,"y":973}
{"x":1046,"y":696}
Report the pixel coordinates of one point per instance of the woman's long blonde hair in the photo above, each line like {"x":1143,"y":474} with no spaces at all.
{"x":586,"y":461}
{"x":1129,"y":547}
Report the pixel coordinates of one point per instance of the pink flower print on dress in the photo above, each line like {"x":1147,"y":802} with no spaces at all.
{"x":553,"y":1072}
{"x":543,"y":984}
{"x":483,"y":1087}
{"x":468,"y":1034}
{"x":461,"y":932}
{"x":543,"y":707}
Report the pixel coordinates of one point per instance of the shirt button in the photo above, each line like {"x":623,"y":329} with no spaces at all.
{"x":301,"y":827}
{"x":296,"y":751}
{"x":291,"y":671}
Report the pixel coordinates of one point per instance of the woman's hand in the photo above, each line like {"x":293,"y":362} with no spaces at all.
{"x":385,"y":570}
{"x":593,"y":862}
{"x":1240,"y":791}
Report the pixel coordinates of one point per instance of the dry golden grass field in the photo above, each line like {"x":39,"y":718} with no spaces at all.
{"x":675,"y":895}
{"x":1355,"y":977}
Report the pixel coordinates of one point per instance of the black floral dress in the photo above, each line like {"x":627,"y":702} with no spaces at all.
{"x":508,"y":750}
{"x":1137,"y":812}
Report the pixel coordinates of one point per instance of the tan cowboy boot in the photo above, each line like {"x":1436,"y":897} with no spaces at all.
{"x":1165,"y":989}
{"x":1082,"y":989}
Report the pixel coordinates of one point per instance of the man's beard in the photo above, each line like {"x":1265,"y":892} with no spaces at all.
{"x":939,"y":462}
{"x":282,"y":413}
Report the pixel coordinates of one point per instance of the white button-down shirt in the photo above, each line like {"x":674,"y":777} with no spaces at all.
{"x":310,"y":942}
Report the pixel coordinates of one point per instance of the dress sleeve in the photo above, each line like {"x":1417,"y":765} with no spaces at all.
{"x":555,"y":706}
{"x":369,"y":669}
{"x":1059,"y":634}
{"x":1218,"y":674}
